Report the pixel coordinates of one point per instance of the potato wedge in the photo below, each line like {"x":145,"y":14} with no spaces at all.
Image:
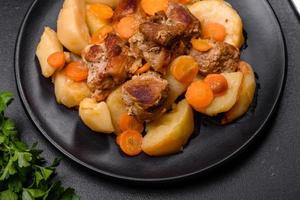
{"x":93,"y":22}
{"x":111,"y":3}
{"x":175,"y":89}
{"x":48,"y":44}
{"x":72,"y":29}
{"x":246,"y":94}
{"x":96,"y":116}
{"x":226,"y":102}
{"x":117,"y":107}
{"x":220,"y":12}
{"x":69,"y":92}
{"x":169,"y":133}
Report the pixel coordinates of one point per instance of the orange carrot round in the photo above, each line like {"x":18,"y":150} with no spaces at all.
{"x":145,"y":68}
{"x":153,"y":6}
{"x":127,"y":122}
{"x":57,"y":60}
{"x":131,"y":142}
{"x":100,"y":35}
{"x":77,"y":71}
{"x":127,"y":26}
{"x":200,"y":45}
{"x":184,"y":69}
{"x":100,"y":10}
{"x":199,"y":95}
{"x":217,"y":83}
{"x":214,"y":31}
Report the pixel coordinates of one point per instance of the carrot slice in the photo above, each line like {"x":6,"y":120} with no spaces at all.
{"x":131,"y":142}
{"x":100,"y":35}
{"x":199,"y":95}
{"x":184,"y":69}
{"x":127,"y":122}
{"x":182,"y":1}
{"x":214,"y":31}
{"x":200,"y":45}
{"x":57,"y":60}
{"x":153,"y":6}
{"x":217,"y":83}
{"x":100,"y":10}
{"x":145,"y":68}
{"x":127,"y":27}
{"x":77,"y":71}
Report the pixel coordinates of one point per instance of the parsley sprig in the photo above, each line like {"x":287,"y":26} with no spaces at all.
{"x":23,"y":172}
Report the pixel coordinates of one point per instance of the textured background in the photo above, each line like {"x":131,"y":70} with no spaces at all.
{"x":268,"y":169}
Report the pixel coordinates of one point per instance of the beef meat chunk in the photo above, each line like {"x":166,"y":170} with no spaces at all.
{"x":222,"y":57}
{"x":145,"y":96}
{"x":108,"y":63}
{"x":156,"y":56}
{"x":165,"y":28}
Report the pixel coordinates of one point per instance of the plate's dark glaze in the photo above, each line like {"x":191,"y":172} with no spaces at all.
{"x":212,"y":145}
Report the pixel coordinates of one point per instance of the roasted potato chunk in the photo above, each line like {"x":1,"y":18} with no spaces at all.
{"x":169,"y":133}
{"x":69,"y":92}
{"x":48,"y":44}
{"x":246,"y":94}
{"x":72,"y":29}
{"x":221,"y":12}
{"x":225,"y":102}
{"x":117,"y":107}
{"x":95,"y":115}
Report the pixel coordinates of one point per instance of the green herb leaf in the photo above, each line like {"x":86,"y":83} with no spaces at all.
{"x":23,"y":172}
{"x":8,"y":195}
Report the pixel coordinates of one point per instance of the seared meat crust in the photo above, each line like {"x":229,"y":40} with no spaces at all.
{"x":222,"y":57}
{"x":107,"y":63}
{"x":145,"y":96}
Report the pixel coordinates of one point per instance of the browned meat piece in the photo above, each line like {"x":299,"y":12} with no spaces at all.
{"x":165,"y":28}
{"x":145,"y":96}
{"x":107,"y":63}
{"x":125,"y":8}
{"x":156,"y":56}
{"x":222,"y":57}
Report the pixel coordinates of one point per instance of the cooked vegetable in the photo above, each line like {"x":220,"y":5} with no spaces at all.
{"x":48,"y":45}
{"x":225,"y":102}
{"x":130,"y":142}
{"x":175,"y":89}
{"x":184,"y":69}
{"x":76,"y":71}
{"x":57,"y":60}
{"x":72,"y":29}
{"x":217,"y":83}
{"x":100,"y":35}
{"x":199,"y":95}
{"x":111,"y":3}
{"x":116,"y":107}
{"x":145,"y":68}
{"x":68,"y":92}
{"x":128,"y":122}
{"x":96,"y":116}
{"x":127,"y":27}
{"x":100,"y":10}
{"x":24,"y":174}
{"x":169,"y":133}
{"x":216,"y":11}
{"x":94,"y":23}
{"x":246,"y":94}
{"x":152,"y":6}
{"x":201,"y":45}
{"x":213,"y":31}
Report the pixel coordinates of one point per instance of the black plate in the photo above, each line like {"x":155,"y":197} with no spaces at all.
{"x":212,"y":145}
